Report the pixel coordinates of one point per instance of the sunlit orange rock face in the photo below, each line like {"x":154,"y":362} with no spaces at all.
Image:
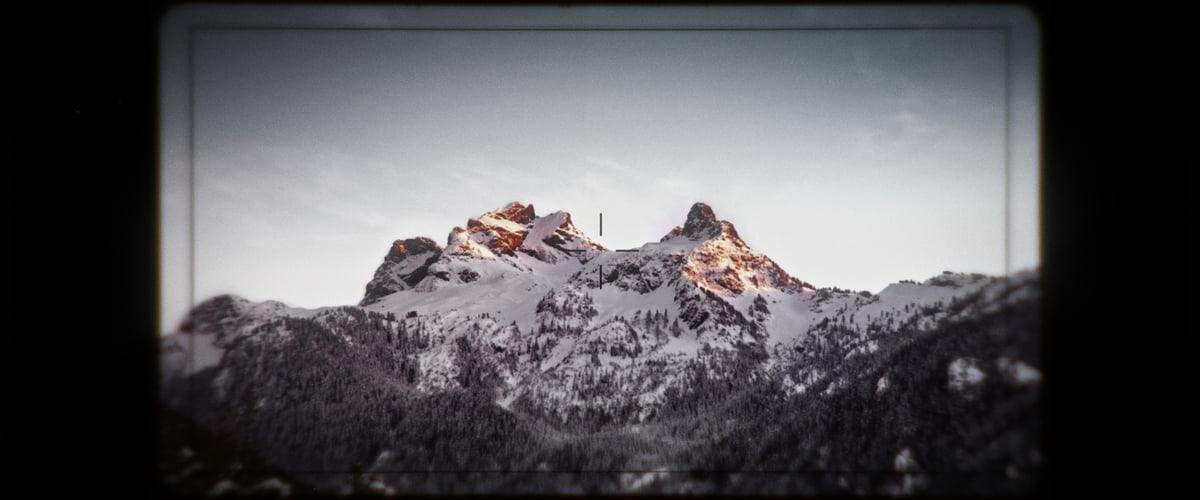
{"x":516,"y":212}
{"x":502,"y":231}
{"x":505,"y":241}
{"x":723,"y":263}
{"x":729,"y":267}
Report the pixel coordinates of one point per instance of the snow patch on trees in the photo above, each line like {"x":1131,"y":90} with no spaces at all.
{"x":1018,"y":372}
{"x":904,"y":461}
{"x":964,"y":374}
{"x":632,"y":481}
{"x":222,"y":487}
{"x":911,"y":480}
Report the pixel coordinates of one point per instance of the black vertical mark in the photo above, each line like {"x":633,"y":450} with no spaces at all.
{"x":601,"y":276}
{"x":601,"y":223}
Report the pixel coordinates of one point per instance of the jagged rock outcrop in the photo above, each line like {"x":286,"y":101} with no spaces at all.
{"x":406,"y":264}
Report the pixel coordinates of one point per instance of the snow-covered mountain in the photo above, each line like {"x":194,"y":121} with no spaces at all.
{"x":550,"y":324}
{"x":493,"y":246}
{"x":571,"y":327}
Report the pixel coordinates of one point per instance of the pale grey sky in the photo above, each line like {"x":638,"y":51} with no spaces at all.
{"x":853,"y":158}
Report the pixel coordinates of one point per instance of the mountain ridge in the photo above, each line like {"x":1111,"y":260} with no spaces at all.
{"x":720,"y":261}
{"x":535,"y":325}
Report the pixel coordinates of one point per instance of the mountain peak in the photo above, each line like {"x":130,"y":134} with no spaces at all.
{"x":406,"y":264}
{"x":411,"y":246}
{"x":702,"y":224}
{"x":501,"y":230}
{"x":700,"y":213}
{"x":516,"y":228}
{"x":720,"y":262}
{"x":516,"y":212}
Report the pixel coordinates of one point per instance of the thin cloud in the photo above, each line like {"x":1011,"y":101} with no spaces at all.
{"x":911,"y":124}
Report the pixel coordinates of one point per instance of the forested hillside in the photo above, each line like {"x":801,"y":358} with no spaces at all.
{"x":942,"y":401}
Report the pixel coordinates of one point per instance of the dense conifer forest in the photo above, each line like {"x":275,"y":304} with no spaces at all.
{"x":335,"y":403}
